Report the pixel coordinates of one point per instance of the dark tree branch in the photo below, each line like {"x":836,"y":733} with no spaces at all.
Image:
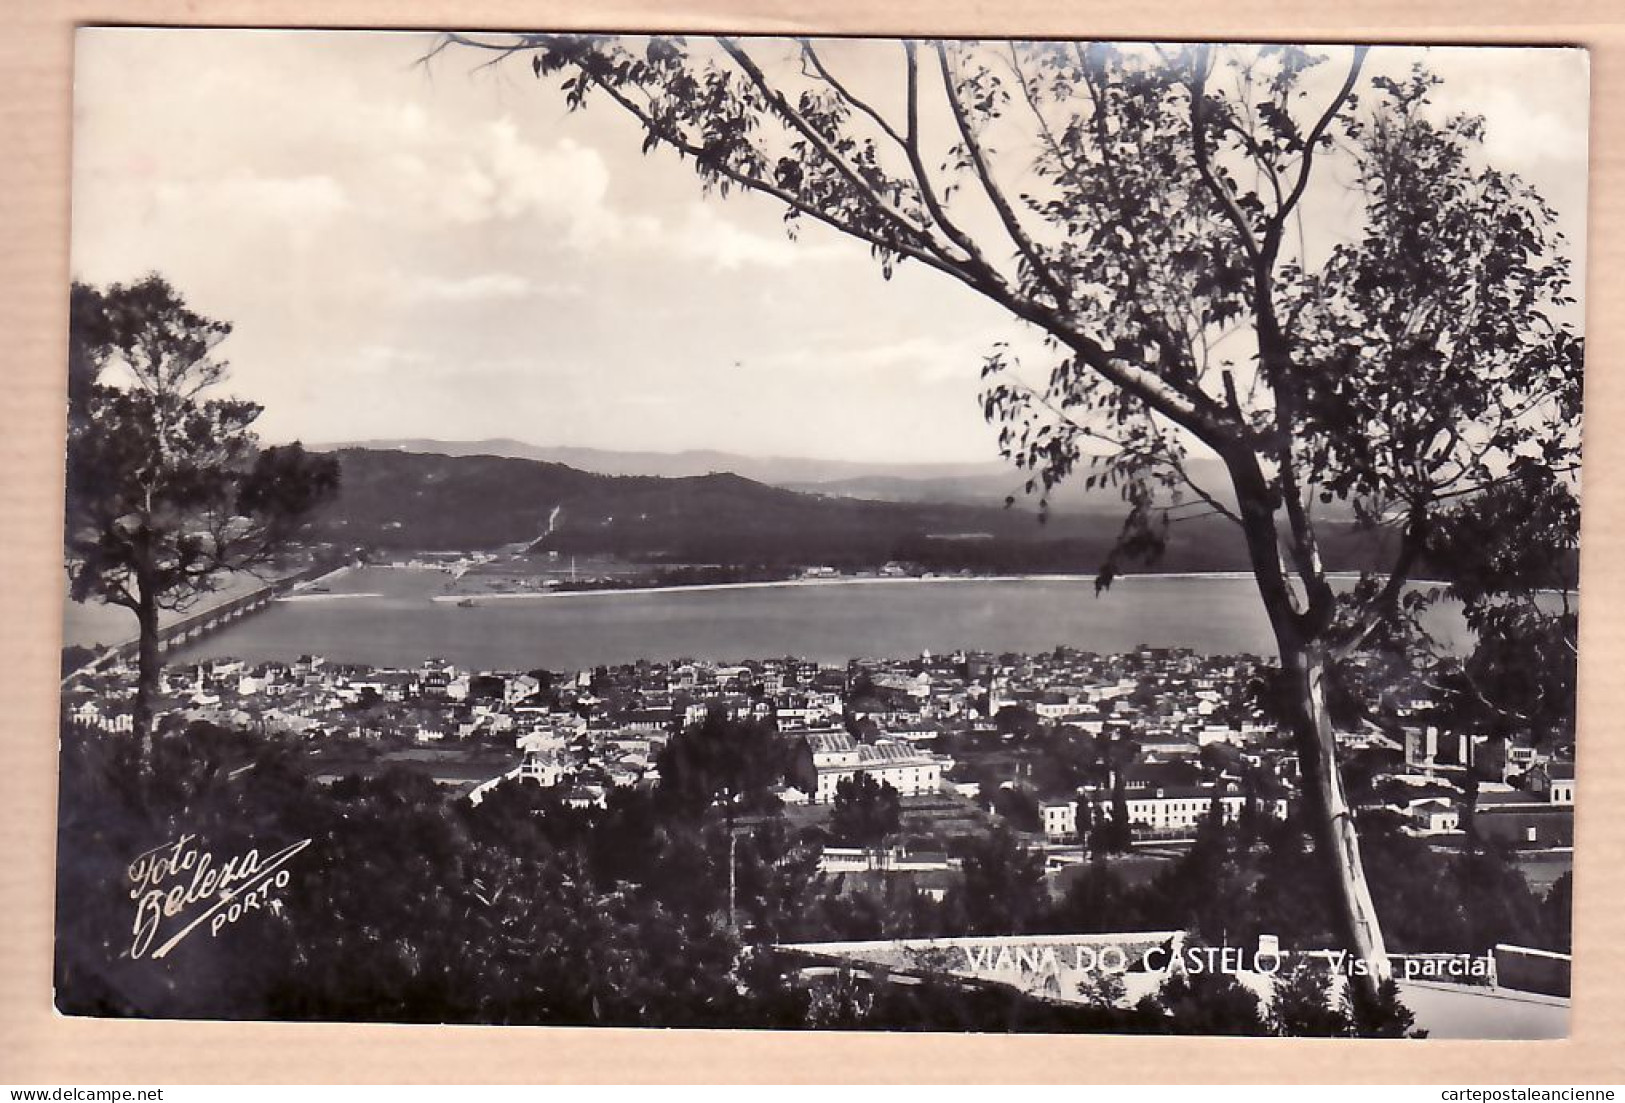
{"x":1067,"y":165}
{"x":782,"y":106}
{"x":753,"y":183}
{"x":1165,"y":454}
{"x":911,"y":146}
{"x":1220,"y":192}
{"x":1314,"y":138}
{"x":1386,"y":603}
{"x":841,"y":90}
{"x":984,"y":174}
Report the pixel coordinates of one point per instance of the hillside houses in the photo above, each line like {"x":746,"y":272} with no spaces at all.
{"x":1436,"y":797}
{"x":1026,"y":736}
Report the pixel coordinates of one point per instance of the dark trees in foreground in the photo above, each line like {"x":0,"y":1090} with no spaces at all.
{"x":411,"y":905}
{"x":866,"y":812}
{"x":1226,"y":890}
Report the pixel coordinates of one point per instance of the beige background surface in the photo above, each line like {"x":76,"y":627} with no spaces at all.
{"x":38,"y":1046}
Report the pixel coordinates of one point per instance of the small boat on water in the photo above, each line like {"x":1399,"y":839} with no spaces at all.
{"x":466,"y":603}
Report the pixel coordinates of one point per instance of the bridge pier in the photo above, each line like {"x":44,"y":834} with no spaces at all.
{"x":198,"y":625}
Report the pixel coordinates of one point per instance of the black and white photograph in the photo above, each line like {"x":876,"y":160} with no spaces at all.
{"x":861,"y":534}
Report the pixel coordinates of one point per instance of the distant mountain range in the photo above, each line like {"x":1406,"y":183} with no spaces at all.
{"x":988,"y":483}
{"x":398,"y":499}
{"x":673,"y":465}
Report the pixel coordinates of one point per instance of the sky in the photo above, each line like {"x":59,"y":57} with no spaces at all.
{"x":446,"y":251}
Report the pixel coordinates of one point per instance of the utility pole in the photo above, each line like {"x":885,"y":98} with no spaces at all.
{"x":733,"y":842}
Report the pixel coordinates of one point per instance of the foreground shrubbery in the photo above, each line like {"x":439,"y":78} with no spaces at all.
{"x":412,"y":906}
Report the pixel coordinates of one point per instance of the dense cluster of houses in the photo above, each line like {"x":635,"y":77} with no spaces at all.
{"x":1200,"y":745}
{"x":1512,"y":789}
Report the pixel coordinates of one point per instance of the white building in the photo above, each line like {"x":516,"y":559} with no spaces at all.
{"x":828,"y":758}
{"x":518,"y":688}
{"x":1060,"y":820}
{"x":1434,"y":816}
{"x":545,"y":767}
{"x":1160,"y":811}
{"x":1554,"y":781}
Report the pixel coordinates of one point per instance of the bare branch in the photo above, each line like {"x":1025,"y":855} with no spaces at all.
{"x":1314,"y":138}
{"x":1226,"y":199}
{"x":1200,"y":516}
{"x":780,"y":104}
{"x":841,"y":90}
{"x":990,"y":187}
{"x":911,"y":146}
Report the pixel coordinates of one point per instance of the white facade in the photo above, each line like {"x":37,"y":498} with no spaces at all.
{"x":837,"y":757}
{"x":1060,"y":820}
{"x":1162,"y":811}
{"x":543,"y":767}
{"x":1434,"y":817}
{"x":518,"y":688}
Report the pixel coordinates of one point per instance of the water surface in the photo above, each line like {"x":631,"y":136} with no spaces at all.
{"x":390,"y":618}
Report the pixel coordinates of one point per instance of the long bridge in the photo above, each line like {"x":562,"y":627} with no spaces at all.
{"x":199,"y":624}
{"x":196,"y":625}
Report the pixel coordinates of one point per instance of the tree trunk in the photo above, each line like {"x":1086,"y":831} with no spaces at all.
{"x":733,"y":882}
{"x":1300,"y":641}
{"x":1330,"y":819}
{"x":148,"y":665}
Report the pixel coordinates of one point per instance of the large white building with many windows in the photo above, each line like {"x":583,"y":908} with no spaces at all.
{"x":825,"y":759}
{"x":1165,"y":811}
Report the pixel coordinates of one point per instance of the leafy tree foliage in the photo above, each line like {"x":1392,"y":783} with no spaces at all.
{"x":1004,"y":890}
{"x":168,"y":490}
{"x":1139,"y":206}
{"x":1558,"y":912}
{"x":1017,"y":722}
{"x":1379,"y":1016}
{"x":1514,"y":550}
{"x":1097,"y":901}
{"x":413,"y":905}
{"x":866,"y":811}
{"x":1018,"y":806}
{"x":1208,"y":1003}
{"x":721,"y":761}
{"x":1304,"y":1007}
{"x":1117,"y":833}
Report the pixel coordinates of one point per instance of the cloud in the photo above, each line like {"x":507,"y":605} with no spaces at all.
{"x":923,"y":360}
{"x":298,"y":200}
{"x":498,"y":176}
{"x":704,"y":235}
{"x":484,"y":287}
{"x":504,"y":177}
{"x":379,"y":359}
{"x":1523,"y":135}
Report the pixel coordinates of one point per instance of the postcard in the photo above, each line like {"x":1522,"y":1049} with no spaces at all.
{"x":795,"y":534}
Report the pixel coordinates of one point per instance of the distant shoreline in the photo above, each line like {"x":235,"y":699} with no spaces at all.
{"x":788,"y":583}
{"x":299,"y":598}
{"x":301,"y":595}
